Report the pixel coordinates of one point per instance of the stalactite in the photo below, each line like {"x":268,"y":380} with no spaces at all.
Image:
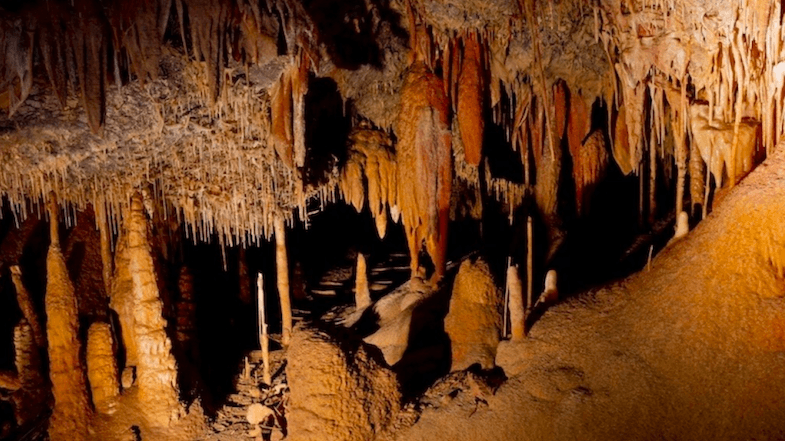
{"x":590,"y":165}
{"x":105,"y":235}
{"x":27,"y":307}
{"x":424,"y":165}
{"x":281,"y":112}
{"x":282,"y":279}
{"x":102,"y":367}
{"x":697,"y":177}
{"x":71,"y":412}
{"x":677,"y":104}
{"x":299,"y":89}
{"x":90,"y":49}
{"x":471,"y":91}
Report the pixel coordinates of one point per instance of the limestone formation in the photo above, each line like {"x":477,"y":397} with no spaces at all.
{"x":337,"y":395}
{"x":516,"y":306}
{"x":30,"y":396}
{"x":28,"y":308}
{"x":282,"y":280}
{"x":136,"y":299}
{"x":362,"y":294}
{"x":71,"y":412}
{"x":473,"y":322}
{"x":102,"y":367}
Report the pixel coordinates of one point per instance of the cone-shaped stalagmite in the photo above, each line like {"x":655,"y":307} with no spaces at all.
{"x":282,"y":272}
{"x":102,"y":367}
{"x":362,"y":294}
{"x":136,"y":299}
{"x":424,"y":165}
{"x":71,"y":412}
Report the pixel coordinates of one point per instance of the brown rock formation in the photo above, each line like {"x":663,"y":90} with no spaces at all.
{"x":135,"y":298}
{"x":71,"y":412}
{"x":474,"y":321}
{"x":424,"y":165}
{"x":102,"y":367}
{"x":28,"y":308}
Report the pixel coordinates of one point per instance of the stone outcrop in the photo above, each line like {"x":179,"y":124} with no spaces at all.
{"x":337,"y":394}
{"x":474,"y":320}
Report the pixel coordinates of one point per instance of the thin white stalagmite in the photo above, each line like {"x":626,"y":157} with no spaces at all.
{"x":263,"y":339}
{"x":517,"y":316}
{"x":282,"y":272}
{"x":529,"y":263}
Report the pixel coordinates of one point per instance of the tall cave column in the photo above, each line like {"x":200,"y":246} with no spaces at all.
{"x":517,"y":308}
{"x":137,"y":301}
{"x":282,"y":273}
{"x":71,"y":412}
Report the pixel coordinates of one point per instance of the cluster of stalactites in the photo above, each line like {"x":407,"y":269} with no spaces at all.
{"x":710,"y":89}
{"x":371,"y":169}
{"x":83,"y":43}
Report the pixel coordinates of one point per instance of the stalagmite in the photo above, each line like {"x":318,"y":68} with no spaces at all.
{"x":29,"y":398}
{"x":550,"y":293}
{"x":517,"y":308}
{"x":71,"y":412}
{"x":263,"y":338}
{"x":102,"y":367}
{"x":282,"y":280}
{"x":424,"y":165}
{"x":362,"y":294}
{"x":136,"y":299}
{"x":27,"y":307}
{"x":470,"y":101}
{"x":682,"y":225}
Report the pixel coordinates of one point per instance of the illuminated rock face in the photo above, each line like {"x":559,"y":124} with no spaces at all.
{"x":337,"y":396}
{"x":474,"y":321}
{"x":136,"y":299}
{"x":71,"y":412}
{"x":102,"y":367}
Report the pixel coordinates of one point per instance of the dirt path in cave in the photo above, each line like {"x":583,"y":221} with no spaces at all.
{"x":692,"y":349}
